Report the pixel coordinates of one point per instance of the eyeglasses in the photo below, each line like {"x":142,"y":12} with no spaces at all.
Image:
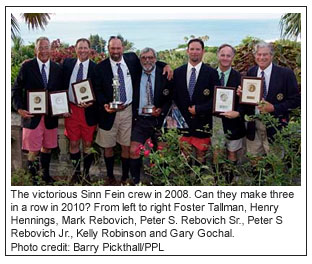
{"x":147,"y":57}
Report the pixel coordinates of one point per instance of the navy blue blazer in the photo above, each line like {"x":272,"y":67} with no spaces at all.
{"x":68,"y":67}
{"x":104,"y":89}
{"x":202,"y":99}
{"x":162,"y":95}
{"x":234,"y":128}
{"x":29,"y":78}
{"x":283,"y":93}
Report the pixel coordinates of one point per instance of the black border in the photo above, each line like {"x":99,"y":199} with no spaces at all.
{"x":306,"y":216}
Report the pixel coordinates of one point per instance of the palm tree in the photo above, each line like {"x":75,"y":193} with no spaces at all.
{"x":33,"y":20}
{"x":290,"y":24}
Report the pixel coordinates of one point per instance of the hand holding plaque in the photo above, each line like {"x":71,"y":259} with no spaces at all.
{"x":83,"y":91}
{"x":37,"y":102}
{"x":252,"y":90}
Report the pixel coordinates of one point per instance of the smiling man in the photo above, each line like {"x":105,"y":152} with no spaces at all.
{"x":280,"y":95}
{"x":153,"y":84}
{"x":193,"y":87}
{"x":81,"y":123}
{"x":39,"y":131}
{"x":230,"y":123}
{"x":115,"y":126}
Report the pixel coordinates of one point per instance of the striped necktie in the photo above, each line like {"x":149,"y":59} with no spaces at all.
{"x":44,"y":77}
{"x":222,"y":79}
{"x":192,"y":82}
{"x":150,"y":87}
{"x":122,"y":87}
{"x":80,"y":73}
{"x":265,"y":90}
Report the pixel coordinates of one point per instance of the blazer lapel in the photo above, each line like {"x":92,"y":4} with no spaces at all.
{"x":71,"y":67}
{"x":51,"y":76}
{"x":199,"y":80}
{"x":157,"y":88}
{"x":273,"y":80}
{"x":229,"y":82}
{"x":36,"y":71}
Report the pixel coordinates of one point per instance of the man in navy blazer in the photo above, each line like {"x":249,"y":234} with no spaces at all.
{"x":115,"y":126}
{"x":231,"y":123}
{"x":39,"y":131}
{"x":81,"y":123}
{"x":193,"y":91}
{"x":281,"y":94}
{"x":145,"y":126}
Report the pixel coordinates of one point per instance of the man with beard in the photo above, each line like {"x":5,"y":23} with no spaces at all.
{"x":151,"y":88}
{"x":39,"y":131}
{"x":81,"y":123}
{"x":115,"y":125}
{"x":193,"y":93}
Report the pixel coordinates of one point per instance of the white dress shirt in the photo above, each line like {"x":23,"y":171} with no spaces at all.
{"x":189,"y":72}
{"x":74,"y":77}
{"x":267,"y":77}
{"x":46,"y":68}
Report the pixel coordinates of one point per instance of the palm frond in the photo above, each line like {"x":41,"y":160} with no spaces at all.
{"x":290,"y":25}
{"x":14,"y":27}
{"x":36,"y":20}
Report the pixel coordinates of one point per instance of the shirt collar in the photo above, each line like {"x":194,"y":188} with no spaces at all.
{"x":114,"y":63}
{"x":84,"y":63}
{"x":226,"y":72}
{"x":197,"y":67}
{"x":47,"y":64}
{"x":152,"y":73}
{"x":267,"y":70}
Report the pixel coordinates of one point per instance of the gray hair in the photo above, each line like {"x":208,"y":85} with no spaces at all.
{"x":145,"y":50}
{"x":263,"y":45}
{"x":40,"y":39}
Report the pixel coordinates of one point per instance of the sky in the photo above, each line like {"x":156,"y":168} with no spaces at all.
{"x":173,"y":14}
{"x":153,"y":13}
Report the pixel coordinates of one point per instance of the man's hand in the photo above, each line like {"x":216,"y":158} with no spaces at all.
{"x":85,"y":105}
{"x":156,"y":111}
{"x":230,"y":114}
{"x":265,"y":107}
{"x":192,"y":110}
{"x":24,"y":113}
{"x":169,"y":71}
{"x":110,"y":110}
{"x":239,"y":91}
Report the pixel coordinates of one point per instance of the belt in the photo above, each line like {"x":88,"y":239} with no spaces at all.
{"x":126,"y":105}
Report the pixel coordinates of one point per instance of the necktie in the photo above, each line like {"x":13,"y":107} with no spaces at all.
{"x":192,"y":83}
{"x":222,"y":79}
{"x":80,"y":73}
{"x":149,"y":84}
{"x":123,"y":95}
{"x":44,"y":77}
{"x":265,"y":91}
